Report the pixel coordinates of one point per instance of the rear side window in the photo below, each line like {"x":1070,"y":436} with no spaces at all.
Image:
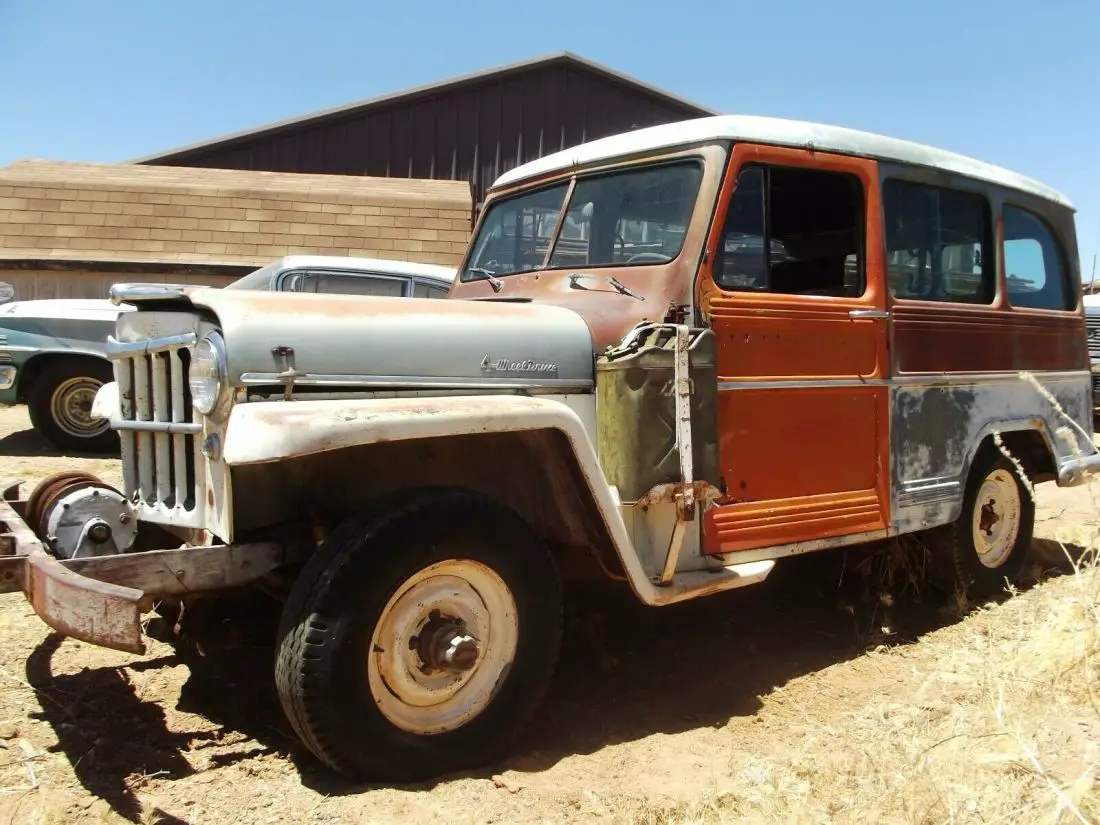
{"x":340,"y":284}
{"x":423,"y":290}
{"x":1034,"y":264}
{"x":938,"y":244}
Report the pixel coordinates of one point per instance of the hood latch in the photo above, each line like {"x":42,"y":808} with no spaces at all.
{"x":289,"y":373}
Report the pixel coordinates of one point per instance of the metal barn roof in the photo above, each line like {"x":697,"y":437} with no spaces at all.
{"x":319,"y":118}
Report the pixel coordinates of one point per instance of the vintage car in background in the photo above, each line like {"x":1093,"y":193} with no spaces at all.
{"x":1092,"y":325}
{"x":53,"y":351}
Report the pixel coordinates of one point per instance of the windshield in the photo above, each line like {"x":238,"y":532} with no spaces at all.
{"x":630,"y":218}
{"x":260,"y":279}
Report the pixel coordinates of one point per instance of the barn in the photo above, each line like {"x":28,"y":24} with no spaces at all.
{"x":471,"y":128}
{"x":69,"y":230}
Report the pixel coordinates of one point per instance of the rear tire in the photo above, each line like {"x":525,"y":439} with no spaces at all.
{"x":988,"y":545}
{"x":60,"y":403}
{"x":375,"y":665}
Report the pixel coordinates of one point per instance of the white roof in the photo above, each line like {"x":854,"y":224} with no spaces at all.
{"x":383,"y":265}
{"x":778,"y":132}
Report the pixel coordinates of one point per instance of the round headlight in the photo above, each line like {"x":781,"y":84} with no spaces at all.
{"x":207,"y":374}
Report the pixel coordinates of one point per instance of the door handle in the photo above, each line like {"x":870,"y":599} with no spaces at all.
{"x":874,"y":314}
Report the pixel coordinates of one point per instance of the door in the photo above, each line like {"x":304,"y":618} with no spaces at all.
{"x":792,"y":287}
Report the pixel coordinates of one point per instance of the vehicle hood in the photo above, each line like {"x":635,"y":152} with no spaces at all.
{"x":95,"y":309}
{"x":57,"y":325}
{"x":398,"y":343}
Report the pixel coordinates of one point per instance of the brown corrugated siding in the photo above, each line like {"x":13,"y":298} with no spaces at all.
{"x":473,"y":133}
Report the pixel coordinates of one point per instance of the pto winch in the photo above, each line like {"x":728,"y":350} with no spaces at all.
{"x":78,"y":516}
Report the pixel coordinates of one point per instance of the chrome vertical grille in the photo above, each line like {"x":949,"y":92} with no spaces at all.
{"x":1092,"y":327}
{"x":160,"y":449}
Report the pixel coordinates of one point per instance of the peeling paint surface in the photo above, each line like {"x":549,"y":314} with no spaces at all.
{"x":937,"y":425}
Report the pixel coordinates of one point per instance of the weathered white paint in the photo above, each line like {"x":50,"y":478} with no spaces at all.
{"x":776,"y":132}
{"x":141,"y":461}
{"x":93,"y":309}
{"x":269,"y":431}
{"x":937,"y":426}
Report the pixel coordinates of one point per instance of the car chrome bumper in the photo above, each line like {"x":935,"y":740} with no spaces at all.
{"x":94,"y":611}
{"x":1072,"y":471}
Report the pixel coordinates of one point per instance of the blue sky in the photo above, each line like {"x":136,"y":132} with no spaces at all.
{"x":1013,"y":83}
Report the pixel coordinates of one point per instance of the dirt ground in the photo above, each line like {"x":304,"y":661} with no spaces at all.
{"x":726,"y":710}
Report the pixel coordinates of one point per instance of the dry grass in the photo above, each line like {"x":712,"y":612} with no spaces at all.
{"x":998,"y":722}
{"x":1000,"y":725}
{"x":994,"y":719}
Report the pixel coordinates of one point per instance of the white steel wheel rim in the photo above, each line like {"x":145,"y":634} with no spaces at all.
{"x":996,"y":522}
{"x":71,"y":407}
{"x":406,"y":682}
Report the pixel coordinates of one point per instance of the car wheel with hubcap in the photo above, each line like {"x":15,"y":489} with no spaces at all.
{"x":419,"y":642}
{"x":60,"y":404}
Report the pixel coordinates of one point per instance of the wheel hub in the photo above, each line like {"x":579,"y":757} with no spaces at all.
{"x":988,"y":517}
{"x":71,"y":407}
{"x":444,"y":644}
{"x":441,"y":645}
{"x":996,"y":525}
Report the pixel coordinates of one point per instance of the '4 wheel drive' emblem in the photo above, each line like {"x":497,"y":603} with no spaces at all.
{"x":503,"y":367}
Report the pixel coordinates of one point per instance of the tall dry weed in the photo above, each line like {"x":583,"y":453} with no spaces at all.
{"x":997,"y":721}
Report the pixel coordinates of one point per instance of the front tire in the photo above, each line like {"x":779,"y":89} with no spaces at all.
{"x":989,"y":543}
{"x":420,"y":642}
{"x":60,"y":404}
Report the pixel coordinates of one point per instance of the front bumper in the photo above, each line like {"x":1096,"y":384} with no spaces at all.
{"x":94,"y":611}
{"x":100,"y":599}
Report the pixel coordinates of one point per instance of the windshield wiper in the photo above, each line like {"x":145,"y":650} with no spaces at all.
{"x":487,"y":275}
{"x":615,"y":282}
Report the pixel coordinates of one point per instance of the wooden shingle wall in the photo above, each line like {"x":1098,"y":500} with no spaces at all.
{"x":92,"y":213}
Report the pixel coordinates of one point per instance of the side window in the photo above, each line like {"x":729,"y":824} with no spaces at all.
{"x":422,"y":290}
{"x":1034,"y":272}
{"x":343,"y":284}
{"x":793,"y":231}
{"x":937,"y":244}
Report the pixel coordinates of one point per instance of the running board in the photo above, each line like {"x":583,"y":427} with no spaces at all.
{"x":692,"y":585}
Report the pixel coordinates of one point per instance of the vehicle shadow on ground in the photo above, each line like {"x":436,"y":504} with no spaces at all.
{"x":625,"y":672}
{"x":30,"y":444}
{"x":108,"y":734}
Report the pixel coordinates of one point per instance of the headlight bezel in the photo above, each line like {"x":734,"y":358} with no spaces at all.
{"x":213,"y":370}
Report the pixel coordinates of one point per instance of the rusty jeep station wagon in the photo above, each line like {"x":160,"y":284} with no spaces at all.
{"x":671,"y":359}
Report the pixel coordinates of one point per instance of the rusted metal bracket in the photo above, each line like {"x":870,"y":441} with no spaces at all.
{"x":289,"y":374}
{"x":684,"y":494}
{"x":160,"y":573}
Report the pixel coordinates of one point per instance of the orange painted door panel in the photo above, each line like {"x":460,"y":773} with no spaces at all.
{"x":802,"y":402}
